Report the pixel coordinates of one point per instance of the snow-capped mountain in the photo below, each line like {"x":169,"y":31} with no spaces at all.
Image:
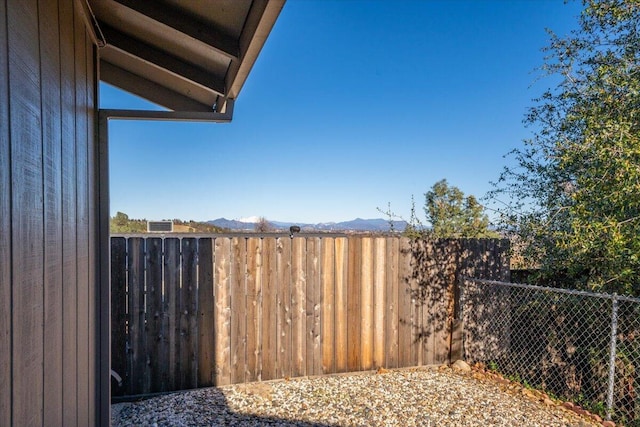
{"x":249,"y":220}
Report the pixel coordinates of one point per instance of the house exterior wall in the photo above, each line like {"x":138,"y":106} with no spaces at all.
{"x":48,"y":216}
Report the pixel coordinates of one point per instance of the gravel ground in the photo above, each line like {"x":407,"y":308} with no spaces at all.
{"x":436,"y":396}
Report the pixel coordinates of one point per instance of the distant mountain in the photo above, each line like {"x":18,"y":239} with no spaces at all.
{"x":358,"y":224}
{"x":232,"y":224}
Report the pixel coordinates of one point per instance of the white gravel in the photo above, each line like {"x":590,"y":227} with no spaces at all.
{"x":405,"y":397}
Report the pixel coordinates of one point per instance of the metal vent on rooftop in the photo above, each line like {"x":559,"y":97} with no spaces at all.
{"x":159,"y":226}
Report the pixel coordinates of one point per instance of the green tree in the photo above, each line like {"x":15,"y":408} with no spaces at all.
{"x":120,"y":220}
{"x":452,"y":214}
{"x":573,"y":195}
{"x":122,"y":224}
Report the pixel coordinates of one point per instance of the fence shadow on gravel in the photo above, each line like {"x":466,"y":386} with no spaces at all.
{"x":578,"y":346}
{"x":202,"y":407}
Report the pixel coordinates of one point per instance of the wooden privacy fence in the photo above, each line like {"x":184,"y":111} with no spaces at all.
{"x":192,"y":312}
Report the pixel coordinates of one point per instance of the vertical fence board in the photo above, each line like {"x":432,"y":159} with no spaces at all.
{"x":206,"y":319}
{"x":254,"y":309}
{"x":431,"y":328}
{"x":392,"y":314}
{"x":222,"y":297}
{"x":137,"y":360}
{"x":354,"y":305}
{"x":269,"y":309}
{"x":283,"y":260}
{"x":405,"y":339}
{"x":501,"y":257}
{"x":366,"y":303}
{"x":298,"y":306}
{"x":328,"y":306}
{"x":171,"y":302}
{"x":156,"y":341}
{"x":238,"y":307}
{"x":488,"y":266}
{"x":118,"y":313}
{"x":491,"y":269}
{"x":421,"y":289}
{"x":314,"y":305}
{"x":438,"y":312}
{"x":416,"y":264}
{"x":442,"y":307}
{"x":379,"y":306}
{"x":189,"y":314}
{"x":341,"y":259}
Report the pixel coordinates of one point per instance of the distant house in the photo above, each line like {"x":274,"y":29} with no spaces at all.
{"x":191,"y":57}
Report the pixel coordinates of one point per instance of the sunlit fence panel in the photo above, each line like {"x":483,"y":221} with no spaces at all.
{"x":195,"y":311}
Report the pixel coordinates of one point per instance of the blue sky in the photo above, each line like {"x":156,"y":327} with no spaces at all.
{"x":351,"y":105}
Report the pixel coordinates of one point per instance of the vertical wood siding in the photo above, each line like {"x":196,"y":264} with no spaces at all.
{"x":26,"y":197}
{"x":47,"y":215}
{"x":241,"y":309}
{"x":68,"y":190}
{"x":5,"y":228}
{"x":52,"y":167}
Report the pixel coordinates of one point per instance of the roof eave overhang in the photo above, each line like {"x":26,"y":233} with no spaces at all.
{"x":168,"y":54}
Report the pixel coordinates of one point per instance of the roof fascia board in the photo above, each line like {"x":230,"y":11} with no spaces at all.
{"x":128,"y":45}
{"x":183,"y":116}
{"x":176,"y":20}
{"x":260,"y":20}
{"x":90,"y":22}
{"x":149,"y":90}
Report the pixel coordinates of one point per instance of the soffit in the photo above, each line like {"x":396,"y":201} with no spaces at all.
{"x":183,"y":55}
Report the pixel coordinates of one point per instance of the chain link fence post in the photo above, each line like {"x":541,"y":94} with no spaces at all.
{"x":612,"y":354}
{"x":578,"y":346}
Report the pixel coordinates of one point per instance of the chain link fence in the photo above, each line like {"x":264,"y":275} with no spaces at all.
{"x":576,"y":346}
